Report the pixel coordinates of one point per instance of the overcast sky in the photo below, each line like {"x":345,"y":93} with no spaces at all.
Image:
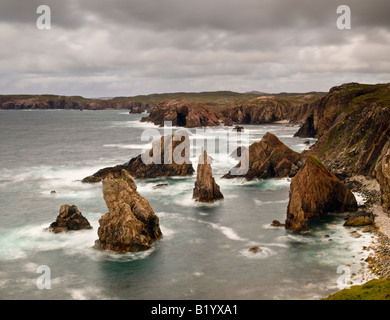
{"x":105,"y":48}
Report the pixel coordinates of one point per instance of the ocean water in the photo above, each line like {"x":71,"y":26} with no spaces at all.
{"x":204,"y":250}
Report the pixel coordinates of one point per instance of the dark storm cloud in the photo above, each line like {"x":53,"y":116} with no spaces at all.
{"x":138,"y":46}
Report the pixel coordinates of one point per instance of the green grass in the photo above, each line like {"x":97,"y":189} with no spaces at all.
{"x":317,"y":162}
{"x":377,"y":289}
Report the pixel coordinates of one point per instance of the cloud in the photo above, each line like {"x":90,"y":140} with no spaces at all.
{"x":127,"y":47}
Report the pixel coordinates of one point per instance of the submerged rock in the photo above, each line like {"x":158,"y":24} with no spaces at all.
{"x":69,"y":219}
{"x":314,"y":192}
{"x":206,"y":189}
{"x":131,"y":224}
{"x":269,"y":158}
{"x":255,"y":249}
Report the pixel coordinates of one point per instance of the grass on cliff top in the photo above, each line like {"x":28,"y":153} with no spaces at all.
{"x":366,"y":94}
{"x":377,"y":289}
{"x":317,"y":162}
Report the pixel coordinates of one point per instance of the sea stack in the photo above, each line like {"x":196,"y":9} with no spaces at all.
{"x":131,"y":224}
{"x":69,"y":219}
{"x":206,"y":189}
{"x":268,"y":158}
{"x":314,"y":192}
{"x":168,"y":157}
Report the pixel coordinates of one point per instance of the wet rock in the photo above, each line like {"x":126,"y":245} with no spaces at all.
{"x":268,"y":158}
{"x":131,"y":224}
{"x":69,"y":219}
{"x":255,"y":249}
{"x":359,"y":219}
{"x":314,"y":192}
{"x":160,"y":185}
{"x":276,"y":223}
{"x":206,"y":189}
{"x":163,"y":160}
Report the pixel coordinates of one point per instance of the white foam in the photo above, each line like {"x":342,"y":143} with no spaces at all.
{"x":226,"y":231}
{"x":261,"y":202}
{"x":129,"y":146}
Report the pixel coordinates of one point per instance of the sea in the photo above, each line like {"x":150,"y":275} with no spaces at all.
{"x":204,"y":252}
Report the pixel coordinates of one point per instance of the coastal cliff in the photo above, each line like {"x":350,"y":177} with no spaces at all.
{"x":352,"y":124}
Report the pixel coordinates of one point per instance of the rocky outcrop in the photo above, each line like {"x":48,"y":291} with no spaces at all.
{"x":382,"y":174}
{"x":131,"y":224}
{"x":359,"y":219}
{"x":138,"y":107}
{"x":206,"y":189}
{"x":168,"y":157}
{"x":314,"y":192}
{"x":269,"y":158}
{"x":69,"y":219}
{"x":187,"y":114}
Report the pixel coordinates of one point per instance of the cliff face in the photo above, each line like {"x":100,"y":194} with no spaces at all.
{"x":269,"y":111}
{"x":352,"y":125}
{"x":268,"y":158}
{"x":182,"y":114}
{"x":314,"y":192}
{"x":382,"y":172}
{"x":167,"y":158}
{"x":206,"y":189}
{"x":130,"y":224}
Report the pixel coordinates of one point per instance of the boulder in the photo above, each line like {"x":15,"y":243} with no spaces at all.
{"x":255,"y":249}
{"x":168,"y":157}
{"x":268,"y":158}
{"x":359,"y":219}
{"x":130,"y":224}
{"x":69,"y":219}
{"x":206,"y":189}
{"x":314,"y":192}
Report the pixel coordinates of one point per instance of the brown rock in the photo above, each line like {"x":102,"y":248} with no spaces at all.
{"x":206,"y":189}
{"x":130,"y":224}
{"x":359,"y":219}
{"x":187,"y":114}
{"x":276,"y":223}
{"x":167,"y":157}
{"x":382,"y":171}
{"x":69,"y":219}
{"x":314,"y":192}
{"x":269,"y":158}
{"x":255,"y":249}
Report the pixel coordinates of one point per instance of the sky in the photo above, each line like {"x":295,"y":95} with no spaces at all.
{"x":99,"y":48}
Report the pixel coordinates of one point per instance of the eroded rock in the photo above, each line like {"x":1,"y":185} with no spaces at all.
{"x":131,"y":224}
{"x":314,"y":192}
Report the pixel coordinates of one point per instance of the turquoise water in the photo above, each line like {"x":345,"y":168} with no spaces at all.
{"x":204,"y":250}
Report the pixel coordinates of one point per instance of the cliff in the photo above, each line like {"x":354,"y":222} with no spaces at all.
{"x":187,"y":114}
{"x":352,"y":124}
